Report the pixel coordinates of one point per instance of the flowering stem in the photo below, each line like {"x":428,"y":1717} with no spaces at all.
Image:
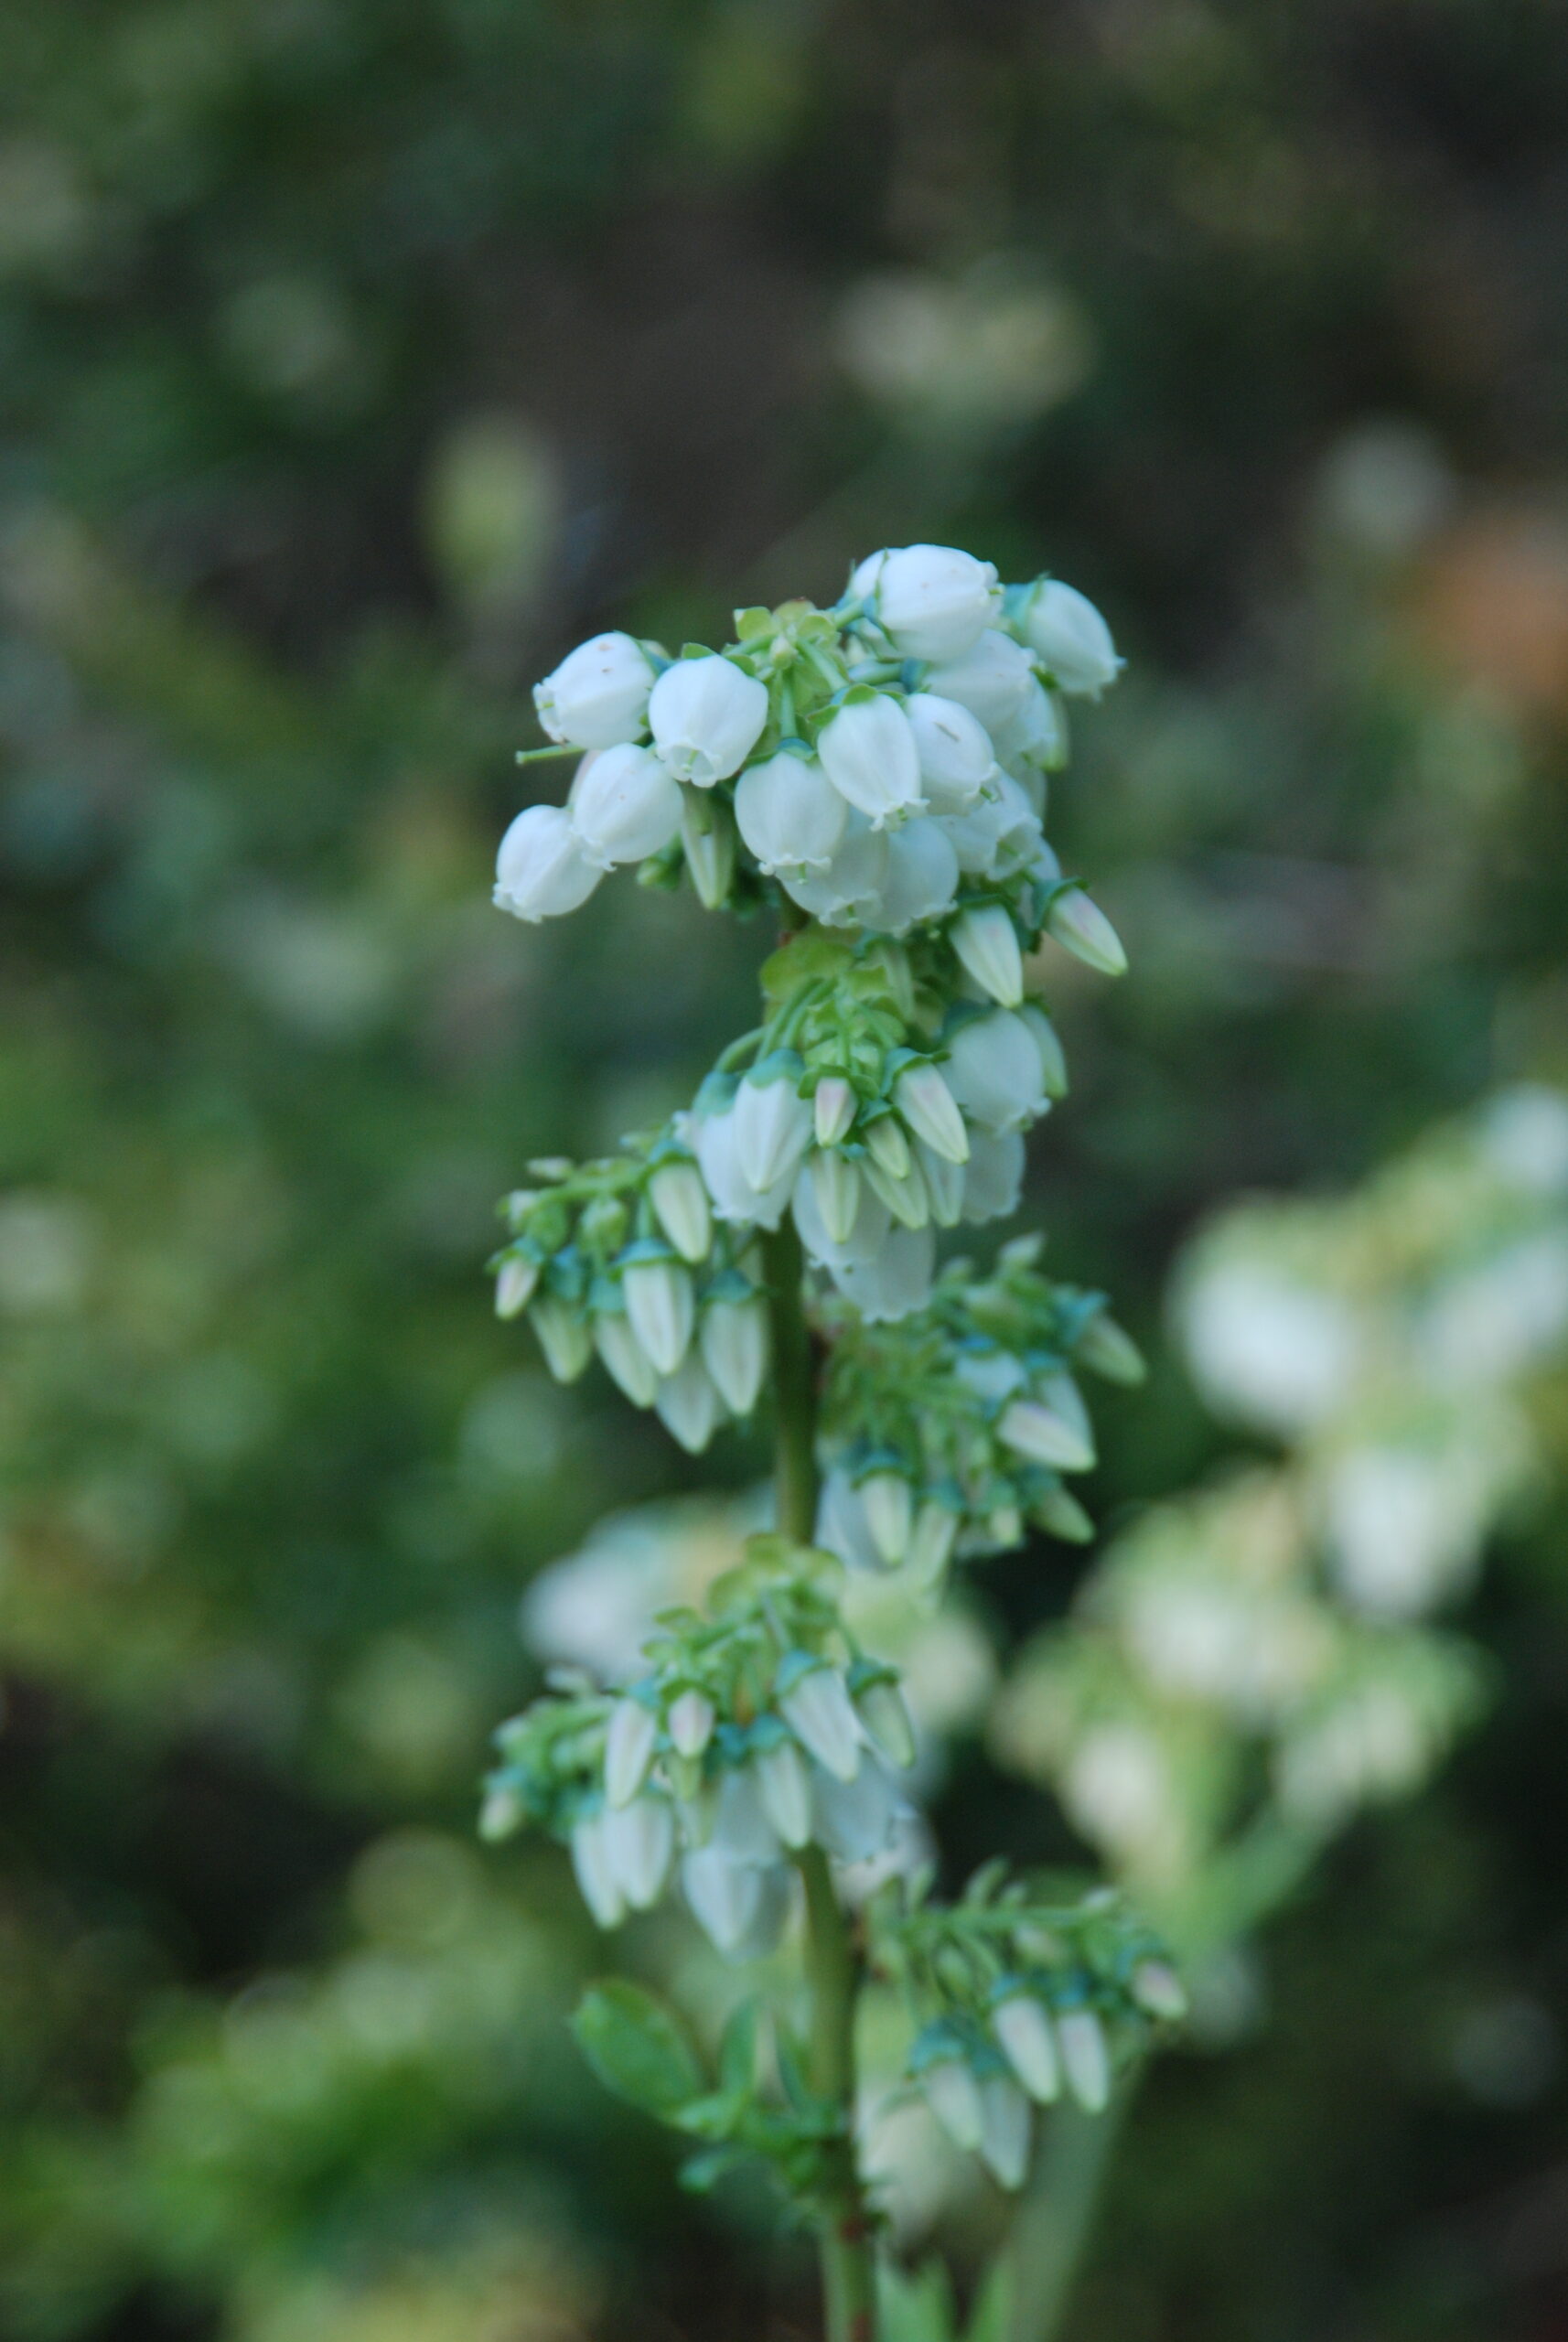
{"x":1056,"y":2217}
{"x":849,"y":2269}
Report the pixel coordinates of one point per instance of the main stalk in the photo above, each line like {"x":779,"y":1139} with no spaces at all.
{"x":849,"y":2269}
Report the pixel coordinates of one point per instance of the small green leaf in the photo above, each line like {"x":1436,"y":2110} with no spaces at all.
{"x":638,"y":2048}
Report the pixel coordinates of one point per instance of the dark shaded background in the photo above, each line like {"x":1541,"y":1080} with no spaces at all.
{"x":355,"y":358}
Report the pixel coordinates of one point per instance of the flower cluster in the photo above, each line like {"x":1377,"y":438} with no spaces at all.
{"x":758,"y":1729}
{"x":950,"y":1430}
{"x":880,"y":764}
{"x":1015,"y":1993}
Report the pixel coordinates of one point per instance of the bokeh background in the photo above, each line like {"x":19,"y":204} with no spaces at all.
{"x":356,"y":357}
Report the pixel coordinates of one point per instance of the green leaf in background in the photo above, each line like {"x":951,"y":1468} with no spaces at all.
{"x":638,"y":2048}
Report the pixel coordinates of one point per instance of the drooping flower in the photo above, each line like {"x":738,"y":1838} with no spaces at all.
{"x":773,"y":1123}
{"x":733,"y":1338}
{"x":706,"y":715}
{"x":849,"y":891}
{"x":790,"y":815}
{"x":624,"y":806}
{"x":957,"y":758}
{"x":868,"y":753}
{"x":992,"y":679}
{"x":919,"y":882}
{"x":932,"y":601}
{"x":1068,"y":635}
{"x":597,"y":696}
{"x":993,"y":1071}
{"x":541,"y":870}
{"x":986,"y":943}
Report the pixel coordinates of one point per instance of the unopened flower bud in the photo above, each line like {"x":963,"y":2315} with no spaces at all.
{"x":1059,"y":1514}
{"x":882,"y":1712}
{"x":661,"y":1308}
{"x":919,"y":882}
{"x":887,"y":1146}
{"x":835,"y":1110}
{"x":681,"y":1201}
{"x":707,"y":839}
{"x":994,"y":1177}
{"x":889,"y":1513}
{"x":690,"y":1722}
{"x":542,"y":872}
{"x":1103,"y":1346}
{"x":986,"y":943}
{"x":515,"y":1281}
{"x":1004,"y":2128}
{"x":786,"y":1790}
{"x":706,"y":715}
{"x":1045,"y":1437}
{"x":790,"y":814}
{"x":624,"y":806}
{"x":563,"y":1337}
{"x":734,"y":1340}
{"x":625,"y":1359}
{"x":835,"y":1184}
{"x":1036,"y":741}
{"x":816,"y":1707}
{"x":597,"y":696}
{"x":629,"y":1750}
{"x":868,"y":753}
{"x":1086,"y":2059}
{"x":688,"y":1405}
{"x":1053,"y":1058}
{"x":772,"y":1123}
{"x":927,"y":1104}
{"x":906,"y":1199}
{"x":952,"y":2094}
{"x":639,"y":1844}
{"x":596,"y":1877}
{"x":1024,"y":2031}
{"x":1069,"y":637}
{"x":1080,"y":927}
{"x":931,"y":1542}
{"x":933,"y":601}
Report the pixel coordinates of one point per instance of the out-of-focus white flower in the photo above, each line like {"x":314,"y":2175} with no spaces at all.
{"x":1117,"y":1790}
{"x":692,"y":1720}
{"x":515,"y":1281}
{"x":786,"y":1789}
{"x":1265,"y":1348}
{"x":734,"y":1199}
{"x":1046,"y":1435}
{"x":624,"y":806}
{"x":818,"y":1710}
{"x":625,"y":1359}
{"x":866,"y":1236}
{"x":596,"y":1878}
{"x":563,"y":1337}
{"x":986,"y":943}
{"x":541,"y":870}
{"x":790,"y":814}
{"x":1029,"y":2043}
{"x":854,"y":1820}
{"x":1069,"y":637}
{"x":993,"y":1071}
{"x":1086,"y":2059}
{"x":1080,"y":927}
{"x":688,"y":1405}
{"x":889,"y":1514}
{"x":1404,"y":1529}
{"x":661,"y":1306}
{"x":1005,"y":2130}
{"x":597,"y":696}
{"x":957,"y":758}
{"x":742,"y":1828}
{"x":1036,"y":738}
{"x":952,"y":2094}
{"x":884,"y":1716}
{"x":992,"y":679}
{"x":726,"y":1898}
{"x":706,"y":715}
{"x":638,"y":1843}
{"x":868,"y":753}
{"x":1525,"y":1134}
{"x":734,"y":1340}
{"x":841,"y":1527}
{"x":897,"y":1281}
{"x":849,"y":891}
{"x":1491,"y":1322}
{"x":931,"y":601}
{"x":919,"y":882}
{"x":773,"y":1126}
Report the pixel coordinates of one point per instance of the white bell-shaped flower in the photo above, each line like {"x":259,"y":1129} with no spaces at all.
{"x":868,"y":753}
{"x":1004,"y":2127}
{"x":896,"y":1280}
{"x":1028,"y":2041}
{"x":706,"y":715}
{"x":688,"y":1405}
{"x":986,"y":943}
{"x":945,"y":1182}
{"x":920,"y":881}
{"x":773,"y":1126}
{"x":1000,"y":833}
{"x":868,"y":1234}
{"x":932,"y":601}
{"x":597,"y":696}
{"x":884,"y":1717}
{"x":733,"y":1337}
{"x":994,"y":1177}
{"x":1036,"y":738}
{"x":639,"y":1845}
{"x":785,"y":1785}
{"x":742,"y":1828}
{"x":624,"y":806}
{"x":734,"y":1199}
{"x":849,"y":890}
{"x":541,"y":869}
{"x":957,"y":758}
{"x":726,"y":1896}
{"x":952,"y":2094}
{"x":1068,"y":635}
{"x":790,"y":814}
{"x":854,"y":1820}
{"x":596,"y":1878}
{"x":841,"y":1527}
{"x":661,"y":1306}
{"x":992,"y":679}
{"x":993,"y":1071}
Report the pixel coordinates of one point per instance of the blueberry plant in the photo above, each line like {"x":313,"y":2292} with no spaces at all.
{"x":873,"y":777}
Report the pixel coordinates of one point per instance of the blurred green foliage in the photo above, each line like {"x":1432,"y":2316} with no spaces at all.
{"x":357,"y":359}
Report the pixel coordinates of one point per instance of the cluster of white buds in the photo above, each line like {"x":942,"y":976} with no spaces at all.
{"x":757,"y":1731}
{"x":621,"y":1259}
{"x":950,"y":1430}
{"x":1030,"y":1997}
